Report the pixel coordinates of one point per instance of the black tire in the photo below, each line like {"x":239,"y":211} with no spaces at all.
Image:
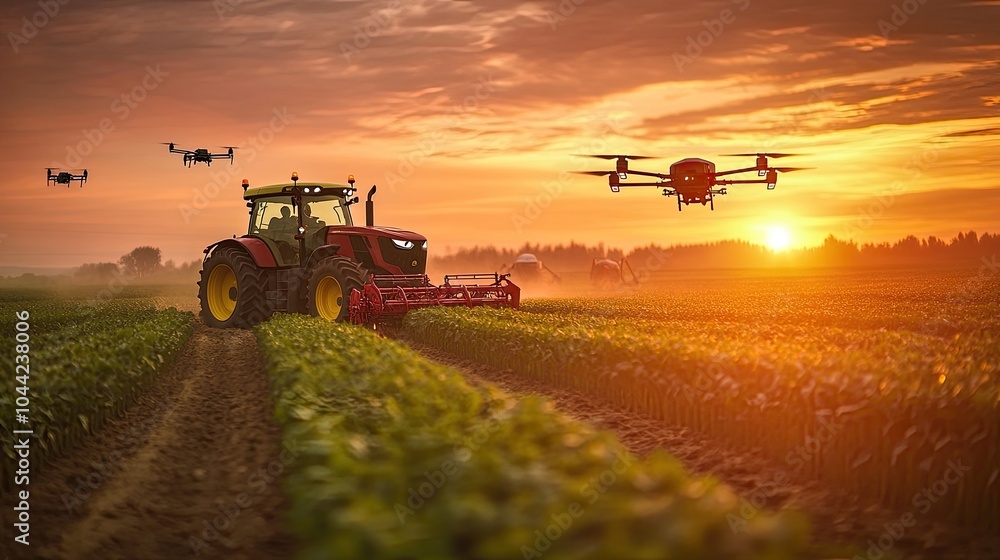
{"x":331,"y":281}
{"x":249,"y":306}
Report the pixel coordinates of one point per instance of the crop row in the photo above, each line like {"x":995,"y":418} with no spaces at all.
{"x":399,"y":457}
{"x":929,"y":304}
{"x":881,"y":421}
{"x":86,"y":364}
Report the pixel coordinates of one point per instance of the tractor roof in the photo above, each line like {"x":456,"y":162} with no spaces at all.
{"x":254,"y":192}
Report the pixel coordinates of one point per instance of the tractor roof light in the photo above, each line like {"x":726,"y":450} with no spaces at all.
{"x":295,"y":176}
{"x":246,"y":185}
{"x":350,"y":179}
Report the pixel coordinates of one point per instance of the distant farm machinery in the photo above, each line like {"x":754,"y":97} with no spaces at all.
{"x":527,"y":269}
{"x":606,"y":274}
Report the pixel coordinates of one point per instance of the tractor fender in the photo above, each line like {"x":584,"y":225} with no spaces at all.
{"x":256,"y":248}
{"x":321,"y":253}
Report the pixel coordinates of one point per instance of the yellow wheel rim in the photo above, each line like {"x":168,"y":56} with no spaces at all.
{"x":329,"y":298}
{"x":222,"y":292}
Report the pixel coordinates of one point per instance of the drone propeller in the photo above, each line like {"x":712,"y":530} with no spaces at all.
{"x":230,"y":147}
{"x":788,"y":169}
{"x":774,"y":155}
{"x":607,"y":156}
{"x":597,"y":173}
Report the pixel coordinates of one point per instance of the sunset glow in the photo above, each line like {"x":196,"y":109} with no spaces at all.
{"x":778,"y":238}
{"x":466,"y":115}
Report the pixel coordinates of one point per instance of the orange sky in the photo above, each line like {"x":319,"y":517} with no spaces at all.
{"x":465,"y":114}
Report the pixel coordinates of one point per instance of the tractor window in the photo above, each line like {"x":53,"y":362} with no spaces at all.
{"x":330,"y":211}
{"x":274,"y":217}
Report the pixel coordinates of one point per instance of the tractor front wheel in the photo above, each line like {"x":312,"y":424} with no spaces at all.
{"x":231,"y":290}
{"x":330,"y":284}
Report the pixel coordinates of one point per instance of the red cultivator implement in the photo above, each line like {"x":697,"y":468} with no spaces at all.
{"x":387,"y":298}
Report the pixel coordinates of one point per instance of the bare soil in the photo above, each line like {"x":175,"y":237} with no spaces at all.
{"x":178,"y":475}
{"x":837,"y":517}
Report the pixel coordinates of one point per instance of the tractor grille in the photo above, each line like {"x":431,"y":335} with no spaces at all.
{"x":402,"y":258}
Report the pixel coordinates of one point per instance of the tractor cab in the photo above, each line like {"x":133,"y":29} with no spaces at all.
{"x":276,"y":217}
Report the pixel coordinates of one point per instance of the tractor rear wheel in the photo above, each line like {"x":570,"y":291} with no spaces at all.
{"x":330,"y":285}
{"x":231,"y":290}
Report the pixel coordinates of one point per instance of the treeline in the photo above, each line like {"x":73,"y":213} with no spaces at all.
{"x":142,"y":264}
{"x":965,"y":248}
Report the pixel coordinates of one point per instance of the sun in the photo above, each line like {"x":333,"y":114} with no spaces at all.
{"x":779,"y":238}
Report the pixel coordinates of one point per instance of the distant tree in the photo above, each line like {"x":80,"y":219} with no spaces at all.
{"x":96,"y":271}
{"x":141,"y":261}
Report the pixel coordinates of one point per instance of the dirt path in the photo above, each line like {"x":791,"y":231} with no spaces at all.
{"x":837,"y":517}
{"x":189,"y":471}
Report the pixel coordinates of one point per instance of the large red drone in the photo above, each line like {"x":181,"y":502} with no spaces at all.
{"x":692,"y":180}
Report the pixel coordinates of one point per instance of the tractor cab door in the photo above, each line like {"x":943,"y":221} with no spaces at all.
{"x":275,"y":221}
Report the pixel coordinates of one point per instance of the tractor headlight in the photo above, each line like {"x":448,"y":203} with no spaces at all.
{"x":424,"y":246}
{"x":302,"y":229}
{"x":402,"y":244}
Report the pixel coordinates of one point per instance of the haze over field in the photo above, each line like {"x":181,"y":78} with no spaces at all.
{"x":465,"y":114}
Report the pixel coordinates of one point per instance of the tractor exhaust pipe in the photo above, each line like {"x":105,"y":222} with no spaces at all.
{"x":370,"y":208}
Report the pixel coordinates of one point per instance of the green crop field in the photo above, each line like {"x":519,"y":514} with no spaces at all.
{"x":874,"y":385}
{"x":83,"y":362}
{"x":900,"y":373}
{"x":403,"y":459}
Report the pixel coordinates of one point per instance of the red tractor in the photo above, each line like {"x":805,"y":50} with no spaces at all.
{"x":303,"y":254}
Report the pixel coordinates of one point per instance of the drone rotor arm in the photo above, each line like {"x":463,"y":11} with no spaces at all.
{"x":740,"y":181}
{"x":736,"y":171}
{"x":649,"y":174}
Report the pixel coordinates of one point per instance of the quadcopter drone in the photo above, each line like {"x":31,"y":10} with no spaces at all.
{"x":692,"y":180}
{"x":202,"y":155}
{"x":65,"y":178}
